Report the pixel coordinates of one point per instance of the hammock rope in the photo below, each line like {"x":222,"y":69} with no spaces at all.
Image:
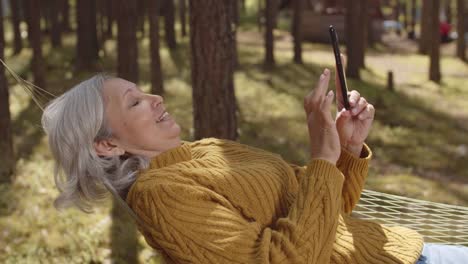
{"x":39,"y":95}
{"x":437,"y":222}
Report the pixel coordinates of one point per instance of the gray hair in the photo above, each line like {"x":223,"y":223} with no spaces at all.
{"x":73,"y":122}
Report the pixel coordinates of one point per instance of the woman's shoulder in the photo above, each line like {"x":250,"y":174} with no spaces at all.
{"x":207,"y":142}
{"x":222,"y":143}
{"x":213,"y":145}
{"x":227,"y":148}
{"x":155,"y":182}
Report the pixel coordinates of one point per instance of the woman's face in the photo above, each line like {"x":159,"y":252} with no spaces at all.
{"x":138,"y":121}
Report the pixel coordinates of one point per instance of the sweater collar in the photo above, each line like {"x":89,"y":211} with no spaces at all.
{"x":172,"y":156}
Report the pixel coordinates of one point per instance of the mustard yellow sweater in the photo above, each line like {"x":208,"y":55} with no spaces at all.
{"x":218,"y":201}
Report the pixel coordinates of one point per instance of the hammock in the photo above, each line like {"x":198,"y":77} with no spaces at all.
{"x":437,"y":222}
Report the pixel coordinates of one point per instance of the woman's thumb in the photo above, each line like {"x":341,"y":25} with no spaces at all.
{"x":342,"y":116}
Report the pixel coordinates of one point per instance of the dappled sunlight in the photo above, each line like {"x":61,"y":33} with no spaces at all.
{"x":401,"y":182}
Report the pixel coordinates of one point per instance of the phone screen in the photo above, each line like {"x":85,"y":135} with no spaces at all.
{"x":339,"y":67}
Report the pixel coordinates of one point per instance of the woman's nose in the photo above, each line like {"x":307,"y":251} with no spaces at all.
{"x":156,"y":100}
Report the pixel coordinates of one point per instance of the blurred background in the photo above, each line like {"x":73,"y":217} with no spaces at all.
{"x":231,"y":69}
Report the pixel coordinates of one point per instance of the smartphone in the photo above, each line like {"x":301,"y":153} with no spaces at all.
{"x":339,"y":66}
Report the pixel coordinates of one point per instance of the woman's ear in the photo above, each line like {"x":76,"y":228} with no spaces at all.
{"x":106,"y":148}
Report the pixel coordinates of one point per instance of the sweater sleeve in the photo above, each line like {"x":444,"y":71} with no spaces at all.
{"x":195,"y":225}
{"x":355,"y":170}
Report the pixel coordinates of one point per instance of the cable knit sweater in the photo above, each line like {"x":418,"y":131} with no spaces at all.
{"x":218,"y":201}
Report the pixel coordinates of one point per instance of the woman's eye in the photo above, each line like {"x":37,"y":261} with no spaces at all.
{"x":136,"y":103}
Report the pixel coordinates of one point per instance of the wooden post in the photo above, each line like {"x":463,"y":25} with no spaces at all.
{"x":390,"y":82}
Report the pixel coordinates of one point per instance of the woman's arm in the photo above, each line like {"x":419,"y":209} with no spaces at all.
{"x":197,"y":225}
{"x":355,"y":171}
{"x":353,"y":126}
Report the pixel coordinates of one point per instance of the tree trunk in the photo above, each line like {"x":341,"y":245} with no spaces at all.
{"x":448,"y":11}
{"x":371,"y":38}
{"x":66,"y":16}
{"x":142,"y":6}
{"x":362,"y":34}
{"x":404,"y":10}
{"x":214,"y":101}
{"x":7,"y":162}
{"x":55,"y":29}
{"x":127,"y":47}
{"x":25,"y":7}
{"x":434,"y":70}
{"x":34,"y":35}
{"x":461,"y":29}
{"x":183,"y":16}
{"x":110,"y":14}
{"x":297,"y":30}
{"x":235,"y":11}
{"x":235,"y":24}
{"x":412,"y":29}
{"x":124,"y":234}
{"x":260,"y":14}
{"x":353,"y":42}
{"x":15,"y":21}
{"x":101,"y":20}
{"x":425,"y":36}
{"x":396,"y":12}
{"x":270,"y":16}
{"x":45,"y":12}
{"x":157,"y":85}
{"x":169,"y":24}
{"x":87,"y":43}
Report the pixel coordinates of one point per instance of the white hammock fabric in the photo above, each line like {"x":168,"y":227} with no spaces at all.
{"x":437,"y":222}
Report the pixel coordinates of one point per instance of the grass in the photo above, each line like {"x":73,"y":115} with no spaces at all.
{"x":419,"y":136}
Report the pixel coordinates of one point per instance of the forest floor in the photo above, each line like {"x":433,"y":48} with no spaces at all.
{"x":419,"y":139}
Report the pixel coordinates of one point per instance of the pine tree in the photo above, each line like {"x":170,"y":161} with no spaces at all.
{"x":211,"y":41}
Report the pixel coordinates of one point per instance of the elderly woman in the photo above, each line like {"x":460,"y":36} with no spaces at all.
{"x":218,"y":201}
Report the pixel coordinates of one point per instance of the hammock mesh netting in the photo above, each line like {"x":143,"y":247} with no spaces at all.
{"x":437,"y":222}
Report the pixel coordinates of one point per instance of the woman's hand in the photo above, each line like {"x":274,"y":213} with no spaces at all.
{"x":323,"y":135}
{"x":354,"y":125}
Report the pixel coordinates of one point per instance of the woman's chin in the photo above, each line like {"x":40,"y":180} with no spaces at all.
{"x":175,"y":126}
{"x":175,"y":129}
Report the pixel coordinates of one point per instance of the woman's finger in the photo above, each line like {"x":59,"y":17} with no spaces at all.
{"x":359,"y":107}
{"x":353,"y":97}
{"x":322,"y":86}
{"x":367,"y":113}
{"x":314,"y":99}
{"x":326,"y":107}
